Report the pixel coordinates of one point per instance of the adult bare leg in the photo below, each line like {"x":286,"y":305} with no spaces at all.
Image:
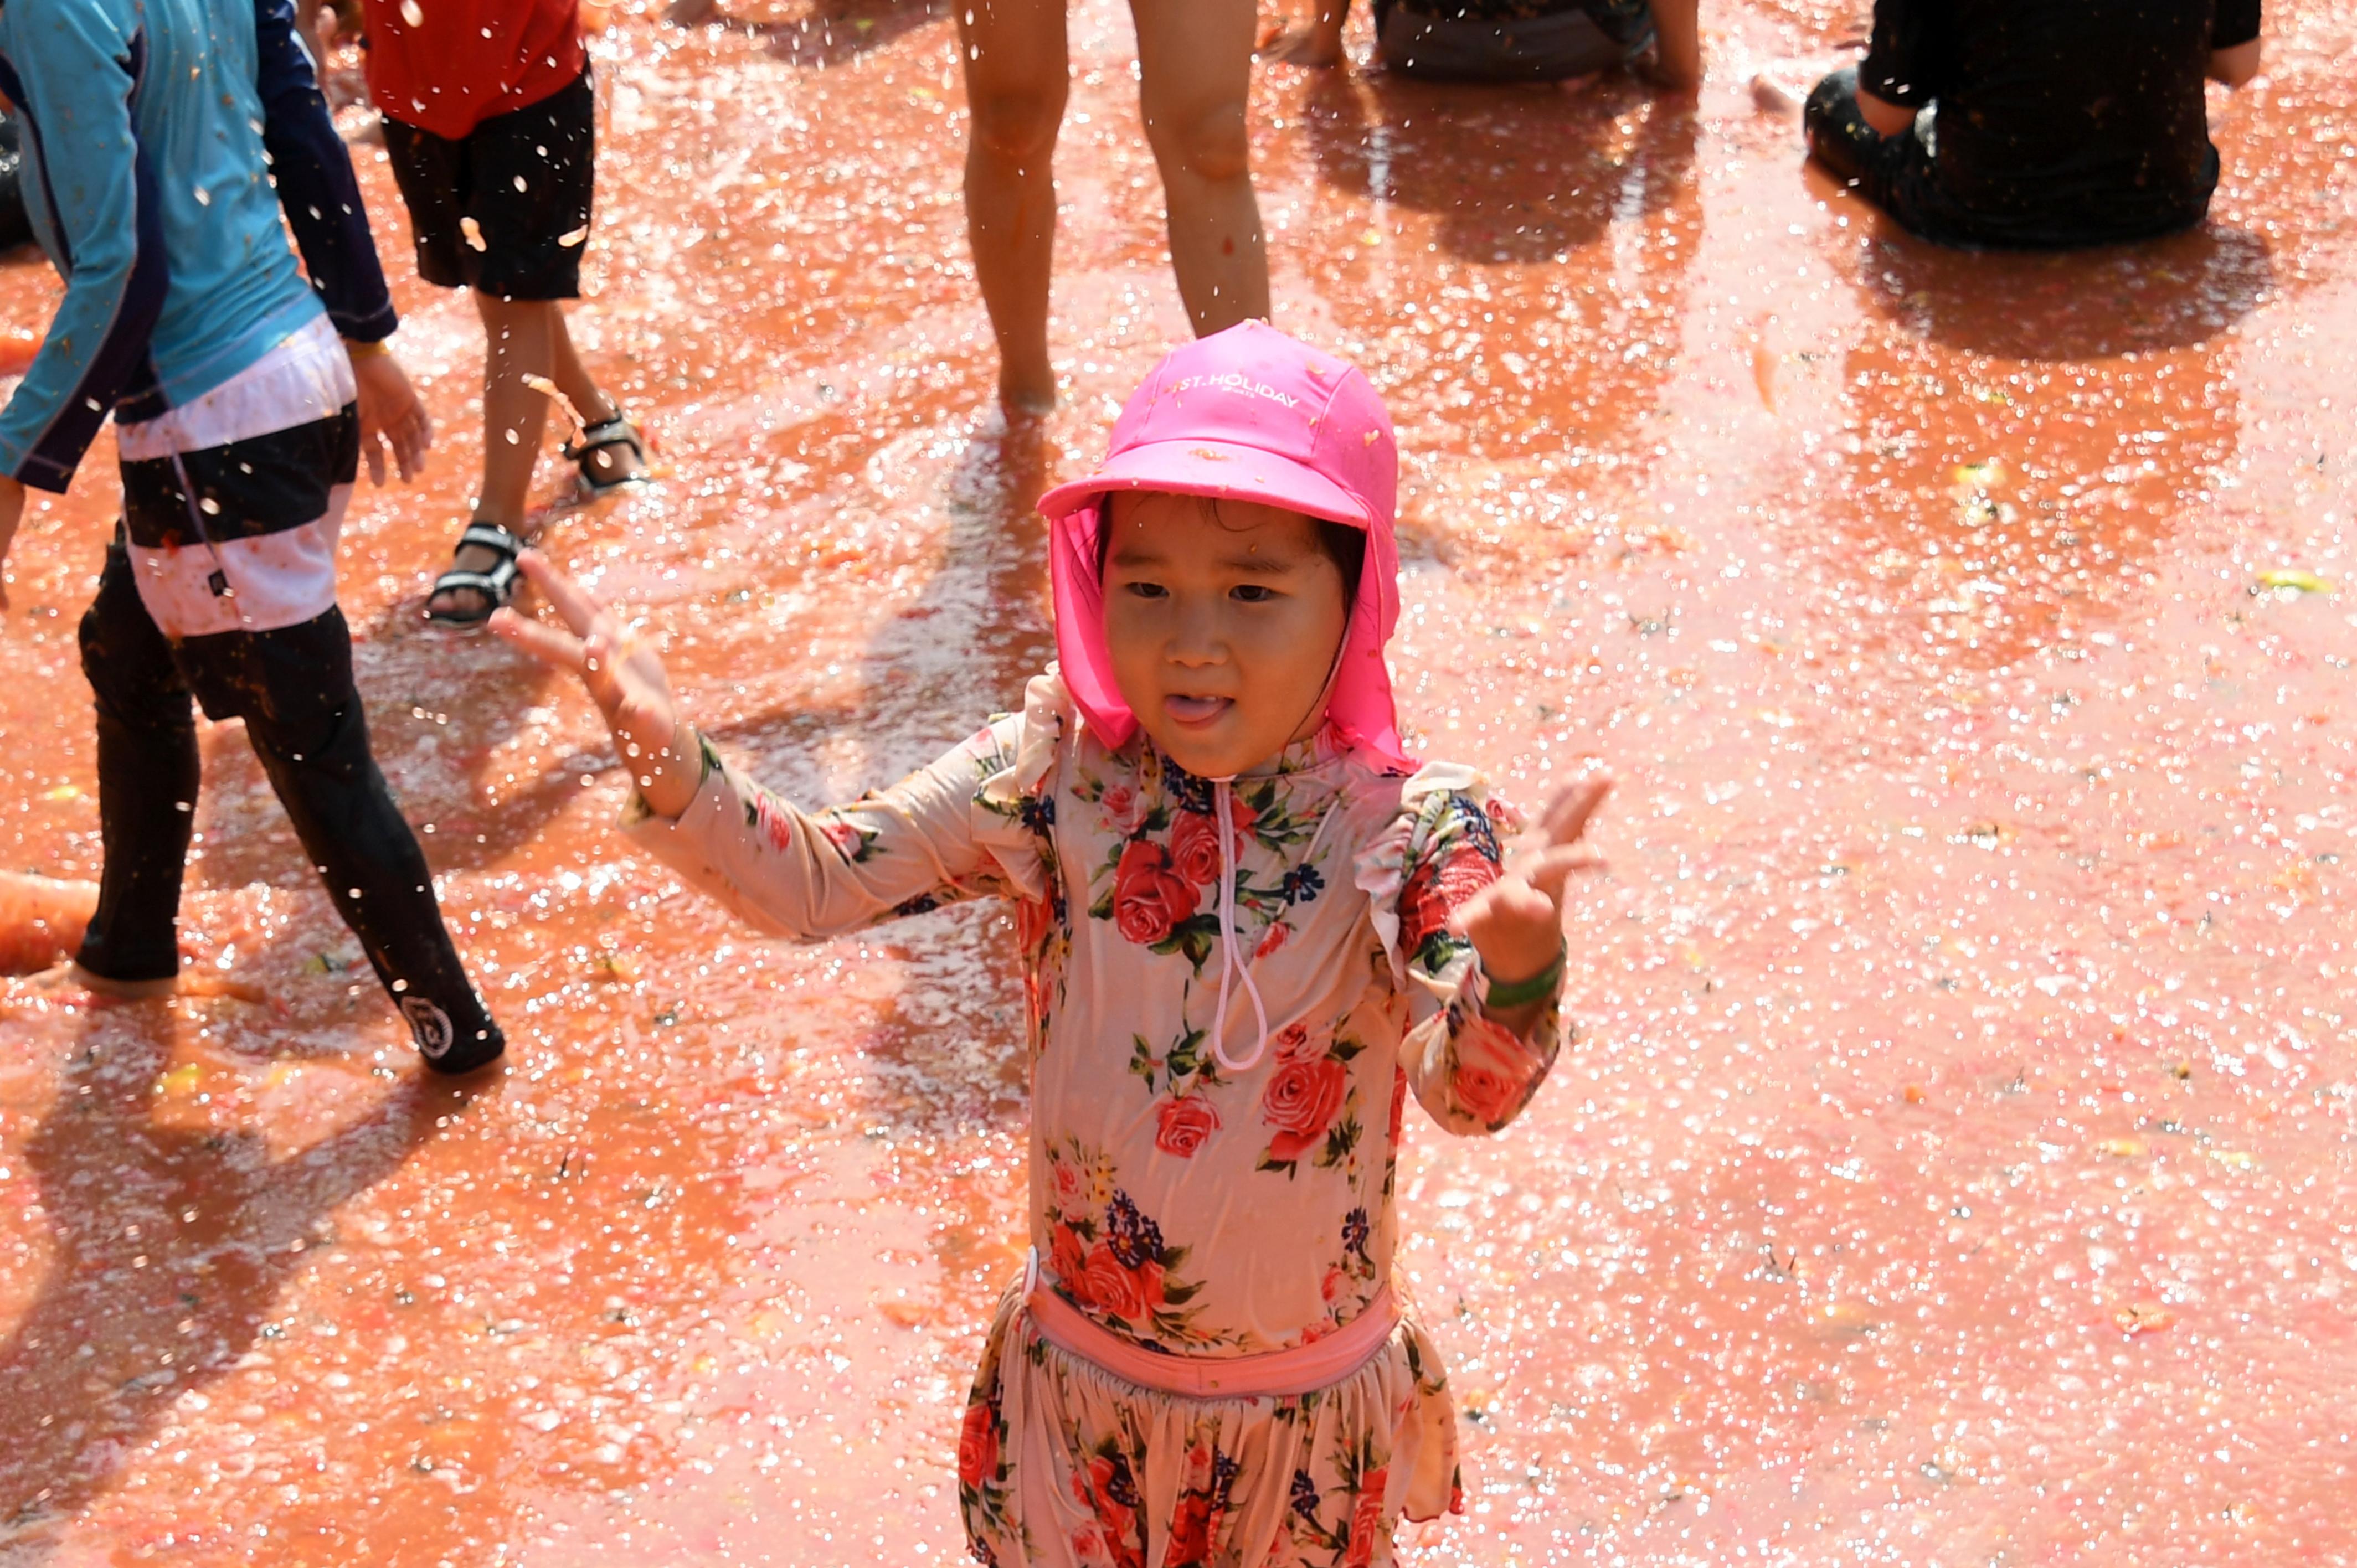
{"x":1017,"y":76}
{"x":1677,"y":29}
{"x":1195,"y":73}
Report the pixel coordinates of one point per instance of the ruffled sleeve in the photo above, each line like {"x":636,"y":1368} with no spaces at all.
{"x":1470,"y":1073}
{"x":974,"y":823}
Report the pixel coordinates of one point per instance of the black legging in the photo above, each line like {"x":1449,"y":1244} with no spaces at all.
{"x":1893,"y":172}
{"x":293,"y":687}
{"x":15,"y":229}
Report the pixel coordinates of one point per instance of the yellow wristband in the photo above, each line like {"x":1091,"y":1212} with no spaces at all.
{"x":360,"y":351}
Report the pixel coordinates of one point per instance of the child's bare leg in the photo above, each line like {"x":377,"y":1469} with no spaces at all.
{"x":615,"y":463}
{"x":518,"y":343}
{"x":1015,"y":77}
{"x":1195,"y":71}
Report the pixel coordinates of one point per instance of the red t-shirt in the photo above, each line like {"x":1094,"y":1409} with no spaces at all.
{"x":447,"y":66}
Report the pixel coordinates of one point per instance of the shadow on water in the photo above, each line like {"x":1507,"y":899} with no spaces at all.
{"x":1515,"y":174}
{"x":998,"y":541}
{"x":2030,"y":429}
{"x":944,"y":1056}
{"x":945,"y":1065}
{"x":2172,"y":293}
{"x":962,"y":650}
{"x":1535,"y":352}
{"x":174,"y":1239}
{"x":444,"y":716}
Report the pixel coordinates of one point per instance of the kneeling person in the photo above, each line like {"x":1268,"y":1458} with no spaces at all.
{"x":1515,"y":41}
{"x":2050,"y":126}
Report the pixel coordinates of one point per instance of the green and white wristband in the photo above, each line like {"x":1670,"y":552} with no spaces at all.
{"x":1504,"y":996}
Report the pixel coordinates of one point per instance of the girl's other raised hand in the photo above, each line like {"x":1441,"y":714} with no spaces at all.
{"x":1516,"y":922}
{"x":623,"y":676}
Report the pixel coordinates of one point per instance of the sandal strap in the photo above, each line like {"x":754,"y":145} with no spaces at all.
{"x":496,"y":591}
{"x":492,"y":536}
{"x":495,"y":581}
{"x":616,"y":432}
{"x":496,"y":585}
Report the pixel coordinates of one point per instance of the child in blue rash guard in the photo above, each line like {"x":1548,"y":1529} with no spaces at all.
{"x":153,"y":134}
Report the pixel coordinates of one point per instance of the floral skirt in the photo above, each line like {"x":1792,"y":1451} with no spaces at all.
{"x":1064,"y":1466}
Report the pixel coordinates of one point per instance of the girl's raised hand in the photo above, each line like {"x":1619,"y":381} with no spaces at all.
{"x":1516,"y":922}
{"x":623,"y":677}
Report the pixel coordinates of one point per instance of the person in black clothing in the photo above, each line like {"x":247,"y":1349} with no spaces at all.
{"x":1512,"y":40}
{"x":2049,"y":126}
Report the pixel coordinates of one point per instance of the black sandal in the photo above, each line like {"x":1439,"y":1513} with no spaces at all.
{"x":496,"y":585}
{"x":595,"y":438}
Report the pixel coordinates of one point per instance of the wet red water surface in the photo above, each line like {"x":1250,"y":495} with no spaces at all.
{"x":1957,"y":1166}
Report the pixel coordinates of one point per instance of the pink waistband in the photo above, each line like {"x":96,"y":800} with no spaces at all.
{"x":1275,"y":1374}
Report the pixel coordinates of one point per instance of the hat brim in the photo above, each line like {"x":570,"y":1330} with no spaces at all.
{"x":1223,"y":470}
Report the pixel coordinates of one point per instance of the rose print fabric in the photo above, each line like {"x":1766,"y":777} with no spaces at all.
{"x":1183,"y":1207}
{"x":1062,"y":1462}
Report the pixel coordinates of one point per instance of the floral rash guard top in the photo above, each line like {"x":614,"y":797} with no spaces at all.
{"x":1183,"y":1207}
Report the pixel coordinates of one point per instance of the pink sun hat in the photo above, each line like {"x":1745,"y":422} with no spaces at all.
{"x":1244,"y":414}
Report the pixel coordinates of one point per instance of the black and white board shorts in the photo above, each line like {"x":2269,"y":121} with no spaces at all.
{"x":233,"y":501}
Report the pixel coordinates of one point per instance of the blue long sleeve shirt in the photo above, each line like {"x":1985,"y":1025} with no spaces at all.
{"x":153,"y":132}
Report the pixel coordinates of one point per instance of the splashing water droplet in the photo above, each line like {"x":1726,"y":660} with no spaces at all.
{"x":547,"y":388}
{"x":474,"y":234}
{"x":573,"y":237}
{"x":411,"y":14}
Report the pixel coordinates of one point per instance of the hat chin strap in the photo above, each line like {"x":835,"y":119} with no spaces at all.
{"x":1232,"y":969}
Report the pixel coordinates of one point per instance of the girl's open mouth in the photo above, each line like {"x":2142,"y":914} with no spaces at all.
{"x":1195,"y":712}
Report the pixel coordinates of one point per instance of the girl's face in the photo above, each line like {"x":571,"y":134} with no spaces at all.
{"x":1222,"y":626}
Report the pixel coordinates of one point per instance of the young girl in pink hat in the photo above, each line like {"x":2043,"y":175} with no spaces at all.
{"x":1251,"y":926}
